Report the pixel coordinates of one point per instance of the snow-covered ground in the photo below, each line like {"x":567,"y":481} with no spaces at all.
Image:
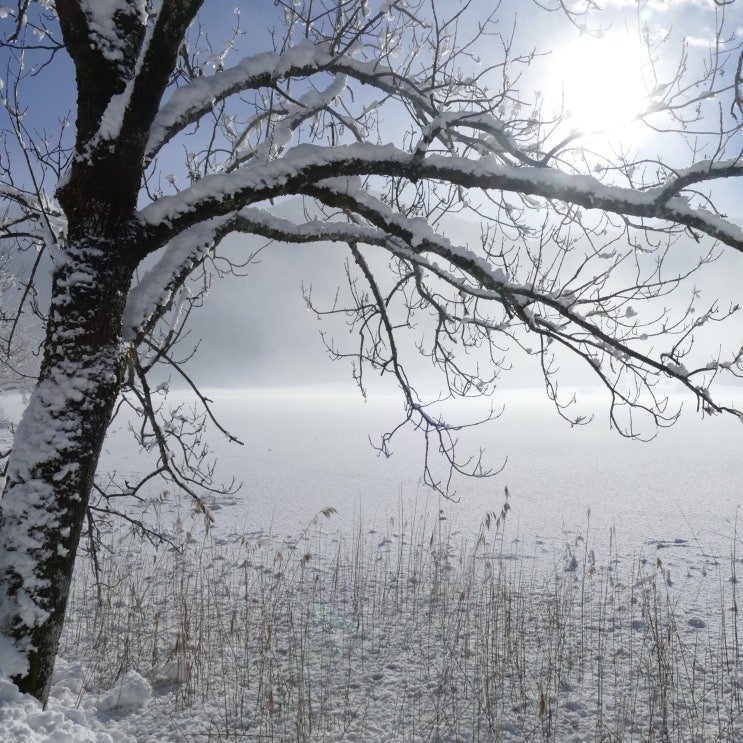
{"x":403,"y":618}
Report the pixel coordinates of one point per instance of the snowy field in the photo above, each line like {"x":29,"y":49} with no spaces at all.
{"x":335,"y":599}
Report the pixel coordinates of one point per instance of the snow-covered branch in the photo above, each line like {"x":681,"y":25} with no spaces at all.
{"x":191,"y":102}
{"x":303,"y":166}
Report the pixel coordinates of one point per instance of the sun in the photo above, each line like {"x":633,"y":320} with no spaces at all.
{"x":598,"y":82}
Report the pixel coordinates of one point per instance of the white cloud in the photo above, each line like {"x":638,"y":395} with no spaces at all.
{"x":654,"y":5}
{"x":703,"y":42}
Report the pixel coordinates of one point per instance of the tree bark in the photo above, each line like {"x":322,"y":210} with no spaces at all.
{"x":56,"y":451}
{"x":59,"y":438}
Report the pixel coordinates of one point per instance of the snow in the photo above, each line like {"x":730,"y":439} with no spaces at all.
{"x":113,"y":117}
{"x":100,"y":716}
{"x":264,"y":180}
{"x":22,"y":720}
{"x":102,"y":27}
{"x":194,"y":99}
{"x":388,"y":694}
{"x":130,"y":693}
{"x":50,"y":228}
{"x":295,"y":114}
{"x":158,"y":285}
{"x":11,"y":661}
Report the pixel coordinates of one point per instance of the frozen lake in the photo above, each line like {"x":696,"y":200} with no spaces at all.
{"x":306,"y":449}
{"x":395,"y":623}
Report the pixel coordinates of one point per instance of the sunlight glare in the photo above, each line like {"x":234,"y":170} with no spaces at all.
{"x":598,"y":81}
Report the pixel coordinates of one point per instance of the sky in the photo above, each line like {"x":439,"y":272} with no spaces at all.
{"x":257,"y":329}
{"x":572,"y":63}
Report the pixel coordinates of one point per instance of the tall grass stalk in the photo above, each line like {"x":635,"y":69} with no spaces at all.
{"x":413,"y":632}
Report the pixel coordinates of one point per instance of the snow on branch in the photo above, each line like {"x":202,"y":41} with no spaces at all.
{"x":41,"y":219}
{"x":704,"y":170}
{"x":189,"y":103}
{"x":578,"y":322}
{"x":153,"y":294}
{"x":194,"y":100}
{"x":262,"y":222}
{"x":304,"y":165}
{"x":30,"y":201}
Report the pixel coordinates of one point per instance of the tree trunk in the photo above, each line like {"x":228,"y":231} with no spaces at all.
{"x":54,"y":459}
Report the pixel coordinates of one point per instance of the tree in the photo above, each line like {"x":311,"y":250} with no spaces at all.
{"x":384,"y":121}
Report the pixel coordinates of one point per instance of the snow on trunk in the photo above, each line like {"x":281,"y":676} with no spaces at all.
{"x":54,"y":458}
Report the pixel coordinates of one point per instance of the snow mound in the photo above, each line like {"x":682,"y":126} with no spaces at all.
{"x":24,"y":721}
{"x":131,"y":692}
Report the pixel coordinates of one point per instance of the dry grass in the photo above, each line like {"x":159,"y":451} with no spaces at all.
{"x":412,"y":634}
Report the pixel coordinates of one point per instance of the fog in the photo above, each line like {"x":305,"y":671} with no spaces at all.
{"x":256,"y":330}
